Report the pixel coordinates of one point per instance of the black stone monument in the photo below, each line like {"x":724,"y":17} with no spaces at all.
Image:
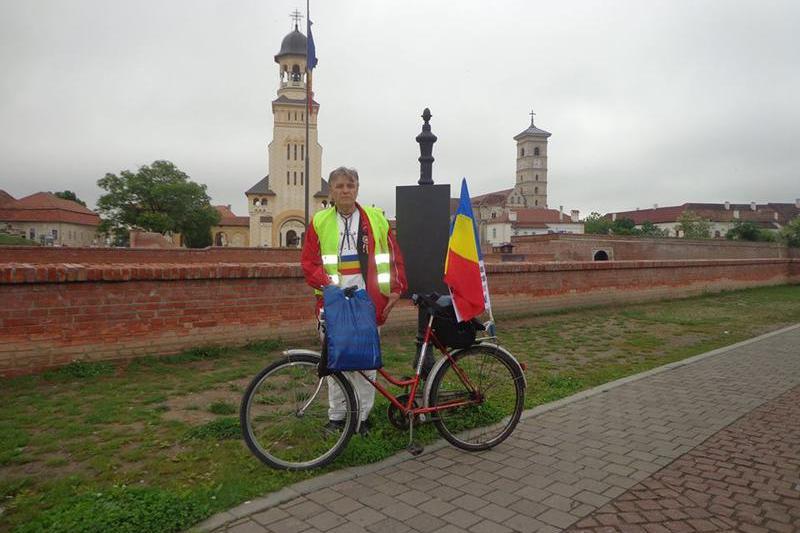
{"x":423,"y":221}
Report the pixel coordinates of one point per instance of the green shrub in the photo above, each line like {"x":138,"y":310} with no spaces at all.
{"x":121,"y":510}
{"x":81,"y":370}
{"x":220,"y":429}
{"x":222,"y":408}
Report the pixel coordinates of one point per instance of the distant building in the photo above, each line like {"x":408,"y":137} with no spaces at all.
{"x":516,"y":222}
{"x":276,"y":203}
{"x":770,"y":216}
{"x":45,"y":218}
{"x":232,"y":230}
{"x":522,"y":210}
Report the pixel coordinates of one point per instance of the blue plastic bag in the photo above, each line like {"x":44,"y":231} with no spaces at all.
{"x":352,"y":332}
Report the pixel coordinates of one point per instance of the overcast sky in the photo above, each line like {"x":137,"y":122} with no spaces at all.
{"x":648,"y":101}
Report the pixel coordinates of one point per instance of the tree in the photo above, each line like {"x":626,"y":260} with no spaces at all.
{"x":791,"y":233}
{"x":597,"y":224}
{"x":748,"y":231}
{"x":159,"y":198}
{"x":69,"y":195}
{"x":624,"y":226}
{"x":693,"y":226}
{"x":649,"y":229}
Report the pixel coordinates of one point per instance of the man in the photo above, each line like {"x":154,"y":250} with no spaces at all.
{"x":351,"y":245}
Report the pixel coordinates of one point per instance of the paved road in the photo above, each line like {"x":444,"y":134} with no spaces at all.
{"x":588,"y":459}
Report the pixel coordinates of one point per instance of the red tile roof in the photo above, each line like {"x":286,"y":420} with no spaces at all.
{"x":46,"y":207}
{"x":764,"y":213}
{"x":533,"y":218}
{"x":5,"y":197}
{"x":228,"y":218}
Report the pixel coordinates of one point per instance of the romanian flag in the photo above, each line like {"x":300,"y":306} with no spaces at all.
{"x":464,"y":272}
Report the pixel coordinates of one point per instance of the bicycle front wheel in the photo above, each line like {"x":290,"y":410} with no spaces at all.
{"x":285,"y":414}
{"x":488,"y":389}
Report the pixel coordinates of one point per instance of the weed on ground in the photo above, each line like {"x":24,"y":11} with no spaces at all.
{"x":156,"y":445}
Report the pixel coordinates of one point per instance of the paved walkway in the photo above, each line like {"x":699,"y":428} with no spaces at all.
{"x":590,"y":460}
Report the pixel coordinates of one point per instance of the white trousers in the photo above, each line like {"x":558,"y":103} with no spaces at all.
{"x":365,"y":393}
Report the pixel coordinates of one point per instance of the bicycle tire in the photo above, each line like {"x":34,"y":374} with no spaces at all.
{"x":490,"y":420}
{"x":271,"y":408}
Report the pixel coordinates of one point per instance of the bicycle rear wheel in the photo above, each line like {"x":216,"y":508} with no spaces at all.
{"x":493,"y":387}
{"x":285,"y":411}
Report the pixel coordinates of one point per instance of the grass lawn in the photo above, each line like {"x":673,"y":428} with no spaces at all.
{"x":155,"y":445}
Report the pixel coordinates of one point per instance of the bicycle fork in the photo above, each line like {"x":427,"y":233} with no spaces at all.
{"x":415,"y":448}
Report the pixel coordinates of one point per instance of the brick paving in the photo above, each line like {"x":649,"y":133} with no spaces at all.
{"x":744,"y":478}
{"x":593,"y":453}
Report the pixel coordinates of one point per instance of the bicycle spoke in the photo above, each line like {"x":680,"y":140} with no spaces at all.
{"x":490,"y":419}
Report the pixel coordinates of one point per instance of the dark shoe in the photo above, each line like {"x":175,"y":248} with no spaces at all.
{"x":334,"y":426}
{"x":365,"y":428}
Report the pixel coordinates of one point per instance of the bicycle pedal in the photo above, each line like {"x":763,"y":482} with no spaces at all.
{"x":415,"y":449}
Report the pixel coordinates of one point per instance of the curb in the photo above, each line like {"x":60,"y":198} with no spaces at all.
{"x":307,"y":486}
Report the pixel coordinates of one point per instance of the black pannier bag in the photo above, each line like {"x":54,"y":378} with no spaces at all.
{"x":451,"y":333}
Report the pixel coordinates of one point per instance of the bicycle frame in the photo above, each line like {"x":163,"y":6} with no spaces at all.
{"x":408,"y":409}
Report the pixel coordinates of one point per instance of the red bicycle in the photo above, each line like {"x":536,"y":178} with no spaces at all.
{"x":474,"y":396}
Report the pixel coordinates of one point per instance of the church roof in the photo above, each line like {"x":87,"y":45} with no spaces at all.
{"x":262,"y":187}
{"x":293,"y":44}
{"x":532,"y":131}
{"x":492,"y":198}
{"x":325,"y":191}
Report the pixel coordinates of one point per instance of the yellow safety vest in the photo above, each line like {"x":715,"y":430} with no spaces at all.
{"x":327,"y":227}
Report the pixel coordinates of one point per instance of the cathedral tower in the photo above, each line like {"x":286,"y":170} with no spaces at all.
{"x":530,"y":189}
{"x":277,"y":202}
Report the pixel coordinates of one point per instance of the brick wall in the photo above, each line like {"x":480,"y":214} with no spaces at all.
{"x":52,"y":314}
{"x":582,"y":247}
{"x":42,"y":255}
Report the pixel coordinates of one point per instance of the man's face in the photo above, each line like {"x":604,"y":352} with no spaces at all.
{"x":344,"y":192}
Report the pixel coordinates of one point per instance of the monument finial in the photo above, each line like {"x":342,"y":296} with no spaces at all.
{"x":532,"y":114}
{"x":426,"y":138}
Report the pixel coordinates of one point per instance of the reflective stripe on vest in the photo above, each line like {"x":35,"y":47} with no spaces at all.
{"x":327,"y":227}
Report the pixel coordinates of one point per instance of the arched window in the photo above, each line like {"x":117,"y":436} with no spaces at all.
{"x":295,"y":152}
{"x":536,"y":202}
{"x":522,"y":152}
{"x":295,"y":178}
{"x":288,"y":152}
{"x":264,"y":201}
{"x":536,"y":151}
{"x":256,"y":202}
{"x":324,"y":203}
{"x":494,"y":215}
{"x":600,"y":255}
{"x":292,"y":240}
{"x":494,"y":233}
{"x":295,"y":72}
{"x":287,"y":177}
{"x":536,"y":190}
{"x":301,"y":178}
{"x":537,"y":177}
{"x":302,"y":152}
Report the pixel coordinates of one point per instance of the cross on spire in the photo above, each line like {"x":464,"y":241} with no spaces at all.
{"x":531,"y":114}
{"x":297,"y":17}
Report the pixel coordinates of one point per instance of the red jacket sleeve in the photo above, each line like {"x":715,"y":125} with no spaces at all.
{"x":398,"y":266}
{"x":311,"y":261}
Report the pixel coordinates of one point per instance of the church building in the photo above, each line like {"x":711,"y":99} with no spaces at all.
{"x":523,"y":210}
{"x":276,"y":203}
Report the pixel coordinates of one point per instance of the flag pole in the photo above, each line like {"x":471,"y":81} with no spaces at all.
{"x":308,"y":118}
